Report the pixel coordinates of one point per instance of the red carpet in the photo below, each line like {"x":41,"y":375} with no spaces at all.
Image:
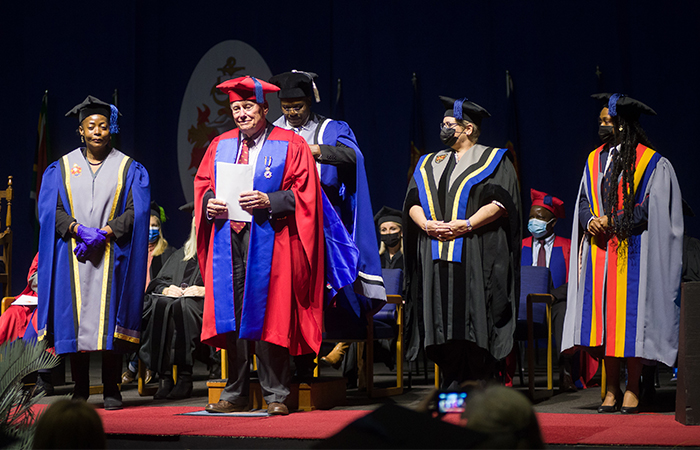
{"x":164,"y":420}
{"x":616,"y":429}
{"x":590,"y":429}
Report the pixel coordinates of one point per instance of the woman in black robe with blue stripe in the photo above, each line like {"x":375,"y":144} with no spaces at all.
{"x":462,"y":220}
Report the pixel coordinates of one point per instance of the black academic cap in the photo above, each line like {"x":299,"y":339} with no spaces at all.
{"x":187,"y":207}
{"x":387,"y":214}
{"x":623,"y":105}
{"x":158,"y":211}
{"x":687,"y":210}
{"x":296,"y":84}
{"x":463,"y":109}
{"x":93,"y":105}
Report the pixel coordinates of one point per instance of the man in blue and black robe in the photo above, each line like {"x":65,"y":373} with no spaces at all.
{"x":341,"y":167}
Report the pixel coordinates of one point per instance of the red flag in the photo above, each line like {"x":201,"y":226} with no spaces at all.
{"x":417,"y":143}
{"x":42,"y":156}
{"x":513,"y":143}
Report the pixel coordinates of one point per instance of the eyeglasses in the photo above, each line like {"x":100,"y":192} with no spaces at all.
{"x":293,"y":109}
{"x":452,"y":125}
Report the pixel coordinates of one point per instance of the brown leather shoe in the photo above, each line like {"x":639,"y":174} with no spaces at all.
{"x":128,"y":376}
{"x":224,"y":406}
{"x":277,"y":409}
{"x":335,"y":357}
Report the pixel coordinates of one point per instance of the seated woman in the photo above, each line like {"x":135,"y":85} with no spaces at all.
{"x":20,"y":319}
{"x":176,"y":297}
{"x":158,"y":253}
{"x":14,"y":321}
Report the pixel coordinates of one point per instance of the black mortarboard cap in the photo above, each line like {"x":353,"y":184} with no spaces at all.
{"x":296,"y":84}
{"x":187,"y":207}
{"x":463,"y":109}
{"x":623,"y":105}
{"x":687,"y":210}
{"x":387,"y":214}
{"x":158,"y":211}
{"x":93,"y":105}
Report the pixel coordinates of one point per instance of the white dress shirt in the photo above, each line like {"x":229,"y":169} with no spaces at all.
{"x":548,"y":246}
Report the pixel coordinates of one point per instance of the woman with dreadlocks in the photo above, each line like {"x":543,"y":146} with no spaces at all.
{"x":629,"y":222}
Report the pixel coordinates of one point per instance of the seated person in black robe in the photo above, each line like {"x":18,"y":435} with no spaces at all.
{"x":172,"y":334}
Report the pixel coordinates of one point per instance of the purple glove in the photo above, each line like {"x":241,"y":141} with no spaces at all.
{"x":81,"y":251}
{"x":94,"y":238}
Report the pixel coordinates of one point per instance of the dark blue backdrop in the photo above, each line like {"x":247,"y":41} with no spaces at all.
{"x":148,"y":51}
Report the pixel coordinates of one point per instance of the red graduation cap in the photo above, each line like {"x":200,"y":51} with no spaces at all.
{"x":247,"y":88}
{"x":548,"y":202}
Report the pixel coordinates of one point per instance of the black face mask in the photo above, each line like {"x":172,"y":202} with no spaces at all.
{"x":391,"y":240}
{"x":447,"y":136}
{"x":606,"y":134}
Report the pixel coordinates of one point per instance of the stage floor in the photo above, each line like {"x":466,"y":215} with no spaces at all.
{"x":581,"y":402}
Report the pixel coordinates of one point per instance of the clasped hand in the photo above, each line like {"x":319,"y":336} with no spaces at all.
{"x":598,"y":225}
{"x":446,"y":231}
{"x":190,"y":291}
{"x":91,"y":240}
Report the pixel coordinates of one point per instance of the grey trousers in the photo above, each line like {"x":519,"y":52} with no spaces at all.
{"x":273,"y":370}
{"x":273,"y":361}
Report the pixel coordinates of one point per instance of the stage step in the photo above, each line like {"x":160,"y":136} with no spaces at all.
{"x":315,"y":393}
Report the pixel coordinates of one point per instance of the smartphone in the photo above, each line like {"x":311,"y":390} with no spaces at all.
{"x":451,"y":402}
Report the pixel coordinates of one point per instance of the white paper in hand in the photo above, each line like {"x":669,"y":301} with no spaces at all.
{"x":231,"y":180}
{"x":26,"y":300}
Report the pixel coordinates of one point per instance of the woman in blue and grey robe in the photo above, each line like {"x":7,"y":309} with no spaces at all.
{"x":93,"y":210}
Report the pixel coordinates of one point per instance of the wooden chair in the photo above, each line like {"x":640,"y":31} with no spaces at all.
{"x":6,"y":302}
{"x":385,"y":324}
{"x":534,"y":289}
{"x":6,"y":239}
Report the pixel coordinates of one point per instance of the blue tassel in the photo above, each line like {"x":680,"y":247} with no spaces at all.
{"x":612,"y":104}
{"x":457,"y":108}
{"x":259,"y":96}
{"x":113,"y":125}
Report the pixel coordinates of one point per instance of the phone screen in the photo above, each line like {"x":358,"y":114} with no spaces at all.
{"x":451,"y":402}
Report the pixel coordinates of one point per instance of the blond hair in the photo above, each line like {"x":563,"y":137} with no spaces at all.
{"x":191,"y":243}
{"x":161,"y":244}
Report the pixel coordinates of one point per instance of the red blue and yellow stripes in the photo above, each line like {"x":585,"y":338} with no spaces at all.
{"x":612,"y":278}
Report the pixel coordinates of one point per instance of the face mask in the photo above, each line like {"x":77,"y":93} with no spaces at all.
{"x":447,"y":136}
{"x":391,"y":240}
{"x":537,"y":227}
{"x":606,"y":134}
{"x":153,"y":234}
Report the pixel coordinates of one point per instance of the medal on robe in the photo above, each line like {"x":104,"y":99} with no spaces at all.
{"x":268,"y":163}
{"x":440,"y":158}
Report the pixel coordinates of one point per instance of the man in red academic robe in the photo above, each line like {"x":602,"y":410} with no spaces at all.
{"x":544,"y":248}
{"x":263,"y":278}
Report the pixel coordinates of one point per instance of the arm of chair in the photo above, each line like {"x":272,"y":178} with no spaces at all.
{"x":6,"y":302}
{"x":394,"y":299}
{"x":541,"y":298}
